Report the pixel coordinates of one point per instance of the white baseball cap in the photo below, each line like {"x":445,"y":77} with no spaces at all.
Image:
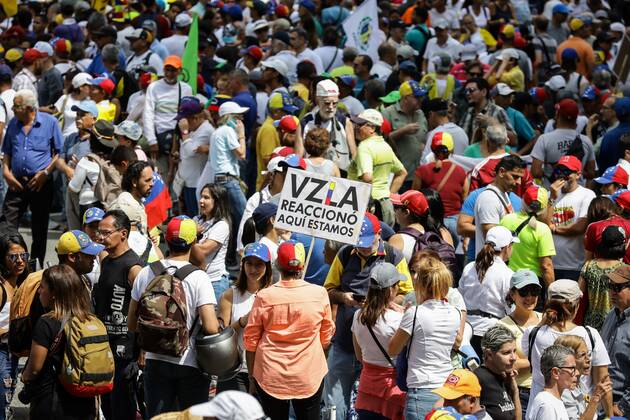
{"x":230,"y":405}
{"x":617,"y":27}
{"x":503,"y":89}
{"x":370,"y":116}
{"x":556,"y":83}
{"x":231,"y":107}
{"x":45,"y":48}
{"x":276,"y":64}
{"x":508,"y":53}
{"x":273,"y":165}
{"x":183,"y":20}
{"x":501,"y":237}
{"x":327,"y":88}
{"x":81,"y":79}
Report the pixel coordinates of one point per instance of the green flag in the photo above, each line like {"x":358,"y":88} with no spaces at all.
{"x":191,"y":56}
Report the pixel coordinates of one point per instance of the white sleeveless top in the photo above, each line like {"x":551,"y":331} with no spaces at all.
{"x":241,"y":305}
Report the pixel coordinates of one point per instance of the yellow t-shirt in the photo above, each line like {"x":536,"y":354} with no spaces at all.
{"x":375,"y":156}
{"x":106,"y":111}
{"x":267,"y":139}
{"x":524,"y":378}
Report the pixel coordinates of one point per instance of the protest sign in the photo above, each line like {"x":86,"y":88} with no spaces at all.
{"x":322,"y":206}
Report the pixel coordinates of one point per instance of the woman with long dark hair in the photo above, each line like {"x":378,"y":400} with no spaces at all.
{"x":563,"y":300}
{"x":13,"y":270}
{"x":65,"y":295}
{"x":485,"y":283}
{"x":378,"y":319}
{"x":213,"y":226}
{"x":237,"y":301}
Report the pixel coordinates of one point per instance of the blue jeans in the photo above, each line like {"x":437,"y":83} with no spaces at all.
{"x":190,"y":201}
{"x":419,"y":402}
{"x":236,"y":204}
{"x":221,"y":286}
{"x":8,"y":372}
{"x":450,"y":223}
{"x":165,"y":383}
{"x":343,"y":371}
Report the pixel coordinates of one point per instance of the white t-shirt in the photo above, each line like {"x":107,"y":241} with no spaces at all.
{"x":192,"y":163}
{"x":437,"y":323}
{"x":84,"y":180}
{"x":69,"y":116}
{"x":309,"y":55}
{"x":218,"y":231}
{"x":489,"y":209}
{"x":139,"y":243}
{"x":197,"y":294}
{"x":567,"y":210}
{"x":273,"y":249}
{"x":546,"y":406}
{"x":489,"y":296}
{"x":147,"y":58}
{"x":449,"y":15}
{"x":175,"y":44}
{"x":546,"y":337}
{"x":328,"y":55}
{"x":452,"y":47}
{"x":384,"y":329}
{"x":6,"y":111}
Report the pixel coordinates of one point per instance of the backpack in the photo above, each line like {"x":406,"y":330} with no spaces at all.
{"x":534,"y":332}
{"x":87,"y":368}
{"x":108,"y":185}
{"x":25,"y":311}
{"x":433,"y":241}
{"x":576,"y":148}
{"x":162,"y":311}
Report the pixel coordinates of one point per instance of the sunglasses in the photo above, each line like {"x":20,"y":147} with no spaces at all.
{"x":24,"y":256}
{"x":529,"y":291}
{"x":618,"y":287}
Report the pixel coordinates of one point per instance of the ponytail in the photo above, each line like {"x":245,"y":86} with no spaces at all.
{"x":484,"y":260}
{"x":558,"y":311}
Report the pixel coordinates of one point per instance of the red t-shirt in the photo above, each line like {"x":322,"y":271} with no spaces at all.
{"x":451,"y":193}
{"x":484,"y":173}
{"x":593,"y":235}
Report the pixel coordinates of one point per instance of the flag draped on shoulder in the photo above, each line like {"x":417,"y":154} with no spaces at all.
{"x":362,"y":30}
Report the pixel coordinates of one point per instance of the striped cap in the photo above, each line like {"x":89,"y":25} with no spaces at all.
{"x":442,"y":139}
{"x":181,"y":231}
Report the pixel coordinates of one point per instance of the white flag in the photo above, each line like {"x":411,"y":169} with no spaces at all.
{"x":362,"y":29}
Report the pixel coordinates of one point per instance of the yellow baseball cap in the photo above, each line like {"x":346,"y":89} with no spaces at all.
{"x":508,"y":31}
{"x":576,"y":24}
{"x":459,"y":383}
{"x":13,"y":55}
{"x":77,"y":241}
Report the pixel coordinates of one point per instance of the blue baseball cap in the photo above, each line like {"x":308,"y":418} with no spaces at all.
{"x":93,"y":214}
{"x":369,"y":229}
{"x":408,"y":65}
{"x":258,"y":250}
{"x":522,"y":278}
{"x":77,"y":241}
{"x":569,"y":54}
{"x":309,"y":5}
{"x":189,"y":106}
{"x":348,"y":80}
{"x":262,"y":214}
{"x":590,"y":93}
{"x":614,"y":174}
{"x":293,"y":161}
{"x":88,"y":106}
{"x":561,"y":8}
{"x":622,"y":107}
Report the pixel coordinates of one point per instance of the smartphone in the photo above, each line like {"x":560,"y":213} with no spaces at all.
{"x":358,"y":298}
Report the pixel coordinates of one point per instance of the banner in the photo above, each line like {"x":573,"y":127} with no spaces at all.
{"x":322,"y":206}
{"x":362,"y":30}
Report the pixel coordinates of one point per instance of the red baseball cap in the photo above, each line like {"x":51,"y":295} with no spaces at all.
{"x":623,"y":200}
{"x":253,"y":51}
{"x":570,"y":162}
{"x":63,"y":46}
{"x":568,"y":109}
{"x":415,"y":202}
{"x":288,"y":123}
{"x":386,"y":127}
{"x":32,"y":54}
{"x":395,"y":199}
{"x":291,"y":256}
{"x":283,"y":151}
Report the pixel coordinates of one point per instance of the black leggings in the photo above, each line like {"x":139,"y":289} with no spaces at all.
{"x":305,"y":408}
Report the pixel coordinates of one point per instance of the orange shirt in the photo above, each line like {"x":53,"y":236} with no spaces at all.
{"x":288,"y":326}
{"x":584,"y":51}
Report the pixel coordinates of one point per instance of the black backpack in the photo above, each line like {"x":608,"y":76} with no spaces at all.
{"x":576,"y":149}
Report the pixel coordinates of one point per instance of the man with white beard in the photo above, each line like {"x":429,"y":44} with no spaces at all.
{"x":325,"y":115}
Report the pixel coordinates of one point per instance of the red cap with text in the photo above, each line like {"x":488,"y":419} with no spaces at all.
{"x":570,"y":162}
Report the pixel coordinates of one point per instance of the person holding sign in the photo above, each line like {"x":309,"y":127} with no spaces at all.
{"x":347,"y":284}
{"x":374,"y":163}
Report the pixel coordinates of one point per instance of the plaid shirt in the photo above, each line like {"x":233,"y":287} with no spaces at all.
{"x":491,"y":109}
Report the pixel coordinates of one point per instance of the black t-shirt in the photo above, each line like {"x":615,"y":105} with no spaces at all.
{"x":494,"y":395}
{"x":45,"y":387}
{"x":112,"y":295}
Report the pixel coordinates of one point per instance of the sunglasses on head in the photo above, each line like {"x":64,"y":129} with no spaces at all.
{"x":618,"y":287}
{"x":529,"y":291}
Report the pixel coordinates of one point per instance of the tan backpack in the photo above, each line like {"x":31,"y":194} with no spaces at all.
{"x":87,"y":368}
{"x":24,"y":313}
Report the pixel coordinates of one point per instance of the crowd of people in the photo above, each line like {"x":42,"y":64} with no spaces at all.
{"x":491,"y":275}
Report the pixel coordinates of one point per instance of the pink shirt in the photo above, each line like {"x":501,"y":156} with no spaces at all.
{"x":288,"y":327}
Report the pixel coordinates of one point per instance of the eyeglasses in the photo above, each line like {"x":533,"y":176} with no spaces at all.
{"x":474,"y":75}
{"x":24,"y":256}
{"x":529,"y":291}
{"x":618,"y":287}
{"x":330,"y":103}
{"x":571,"y":370}
{"x":16,"y":107}
{"x":105,"y":233}
{"x":470,"y":90}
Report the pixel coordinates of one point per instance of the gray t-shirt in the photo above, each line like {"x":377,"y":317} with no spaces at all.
{"x":552,"y":146}
{"x":490,"y":207}
{"x":460,"y":139}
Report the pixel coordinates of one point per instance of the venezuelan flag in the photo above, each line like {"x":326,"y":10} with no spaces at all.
{"x":157,"y":204}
